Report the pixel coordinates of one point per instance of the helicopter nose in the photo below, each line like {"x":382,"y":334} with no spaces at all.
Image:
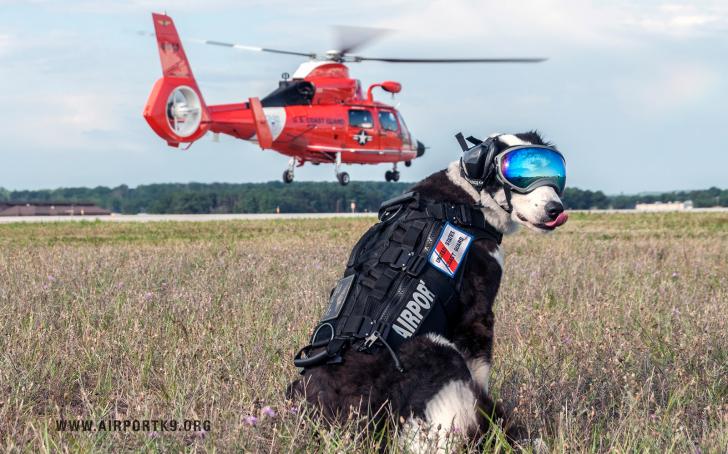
{"x":420,"y":148}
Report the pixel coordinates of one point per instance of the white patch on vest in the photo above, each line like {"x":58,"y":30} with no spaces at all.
{"x":480,"y":370}
{"x":450,"y":249}
{"x":499,"y":256}
{"x":449,"y":416}
{"x":415,"y":310}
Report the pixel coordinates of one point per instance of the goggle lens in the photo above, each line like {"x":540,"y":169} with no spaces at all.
{"x":524,"y":167}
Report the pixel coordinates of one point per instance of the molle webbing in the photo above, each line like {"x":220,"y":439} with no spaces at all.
{"x":389,"y":293}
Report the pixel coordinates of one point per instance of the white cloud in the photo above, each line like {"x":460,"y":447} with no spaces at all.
{"x":667,"y":89}
{"x":557,"y":24}
{"x":503,"y":24}
{"x":61,"y":120}
{"x":679,"y":20}
{"x":6,"y":44}
{"x":120,"y":6}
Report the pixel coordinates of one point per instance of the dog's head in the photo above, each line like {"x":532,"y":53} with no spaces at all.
{"x":539,"y":209}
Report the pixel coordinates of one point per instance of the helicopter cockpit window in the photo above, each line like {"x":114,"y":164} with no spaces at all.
{"x":360,"y":119}
{"x":290,"y":93}
{"x":388,"y":121}
{"x":405,"y":133}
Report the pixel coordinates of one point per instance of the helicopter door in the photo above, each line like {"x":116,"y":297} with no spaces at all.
{"x":389,"y":132}
{"x":361,"y":130}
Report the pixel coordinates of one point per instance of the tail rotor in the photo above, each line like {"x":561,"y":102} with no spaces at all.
{"x":184,"y":111}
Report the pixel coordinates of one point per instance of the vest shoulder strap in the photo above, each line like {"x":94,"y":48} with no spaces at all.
{"x":469,"y":216}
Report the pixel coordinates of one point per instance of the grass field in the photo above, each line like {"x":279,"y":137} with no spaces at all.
{"x":611,"y":334}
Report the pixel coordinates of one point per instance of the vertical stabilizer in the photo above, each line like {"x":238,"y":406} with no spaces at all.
{"x":175,"y":109}
{"x":171,"y":52}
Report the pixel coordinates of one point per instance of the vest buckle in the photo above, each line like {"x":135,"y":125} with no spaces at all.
{"x":465,"y":218}
{"x":415,"y":265}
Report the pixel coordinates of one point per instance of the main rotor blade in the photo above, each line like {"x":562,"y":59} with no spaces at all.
{"x":349,"y":38}
{"x":253,"y":48}
{"x":451,"y":60}
{"x":235,"y":46}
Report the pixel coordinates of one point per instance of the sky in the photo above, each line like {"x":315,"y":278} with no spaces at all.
{"x":634,"y":92}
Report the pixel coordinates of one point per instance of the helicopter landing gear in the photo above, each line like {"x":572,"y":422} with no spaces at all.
{"x":392,"y":175}
{"x":407,"y":163}
{"x":287,"y":176}
{"x":288,"y":173}
{"x":343,"y":177}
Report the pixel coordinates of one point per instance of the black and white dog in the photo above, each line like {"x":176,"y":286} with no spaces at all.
{"x":445,"y":387}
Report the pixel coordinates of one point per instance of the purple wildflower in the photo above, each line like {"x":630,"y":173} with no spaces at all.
{"x":250,"y":420}
{"x":268,"y":412}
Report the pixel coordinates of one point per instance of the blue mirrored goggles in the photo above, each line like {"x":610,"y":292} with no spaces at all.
{"x":527,"y":167}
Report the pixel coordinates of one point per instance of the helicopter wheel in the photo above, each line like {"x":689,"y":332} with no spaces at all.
{"x":288,"y":176}
{"x":407,"y":163}
{"x":343,"y":178}
{"x":391,"y":175}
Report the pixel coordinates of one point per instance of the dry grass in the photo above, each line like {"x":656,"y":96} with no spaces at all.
{"x":612,"y":334}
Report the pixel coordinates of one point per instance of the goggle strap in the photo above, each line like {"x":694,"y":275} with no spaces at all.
{"x":477,"y":184}
{"x":507,"y":190}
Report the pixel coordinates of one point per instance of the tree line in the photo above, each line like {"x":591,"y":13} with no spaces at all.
{"x":302,"y":197}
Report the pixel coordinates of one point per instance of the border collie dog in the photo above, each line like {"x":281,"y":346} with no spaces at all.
{"x":444,"y":387}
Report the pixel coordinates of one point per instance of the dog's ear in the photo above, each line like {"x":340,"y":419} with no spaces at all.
{"x":534,"y":137}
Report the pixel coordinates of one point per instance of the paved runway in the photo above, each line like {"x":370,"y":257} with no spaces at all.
{"x":252,"y":217}
{"x":181,"y":217}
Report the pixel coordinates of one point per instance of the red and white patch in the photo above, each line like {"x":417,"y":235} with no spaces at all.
{"x":450,"y":249}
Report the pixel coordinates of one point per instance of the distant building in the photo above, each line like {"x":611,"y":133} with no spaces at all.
{"x":665,"y":206}
{"x":51,"y":209}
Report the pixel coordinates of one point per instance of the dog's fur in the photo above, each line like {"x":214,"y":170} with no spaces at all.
{"x":445,"y":384}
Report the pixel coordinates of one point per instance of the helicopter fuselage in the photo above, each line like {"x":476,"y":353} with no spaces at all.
{"x":320,"y":115}
{"x":314,"y":118}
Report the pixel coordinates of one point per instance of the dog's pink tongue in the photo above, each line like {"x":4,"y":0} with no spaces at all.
{"x":560,"y":220}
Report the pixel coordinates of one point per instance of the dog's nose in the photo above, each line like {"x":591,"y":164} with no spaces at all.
{"x":553,"y":209}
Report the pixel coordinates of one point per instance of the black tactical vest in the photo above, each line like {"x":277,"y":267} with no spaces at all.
{"x":401,"y":279}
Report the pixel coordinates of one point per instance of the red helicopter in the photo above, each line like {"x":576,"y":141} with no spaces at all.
{"x":319,"y":115}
